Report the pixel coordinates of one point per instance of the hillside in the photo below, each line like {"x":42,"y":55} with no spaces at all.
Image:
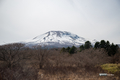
{"x":57,"y":39}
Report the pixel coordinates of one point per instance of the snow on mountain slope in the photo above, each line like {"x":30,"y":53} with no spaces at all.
{"x":57,"y":38}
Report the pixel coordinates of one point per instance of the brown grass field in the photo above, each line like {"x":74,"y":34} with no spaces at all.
{"x":57,"y":65}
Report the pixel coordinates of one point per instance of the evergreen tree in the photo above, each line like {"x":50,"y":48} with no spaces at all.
{"x":97,"y":45}
{"x":81,"y":48}
{"x":113,"y":50}
{"x":107,"y":45}
{"x":67,"y":49}
{"x":72,"y":50}
{"x":102,"y":44}
{"x":63,"y":49}
{"x":87,"y":45}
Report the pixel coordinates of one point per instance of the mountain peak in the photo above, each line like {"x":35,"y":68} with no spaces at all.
{"x":62,"y":33}
{"x":58,"y":38}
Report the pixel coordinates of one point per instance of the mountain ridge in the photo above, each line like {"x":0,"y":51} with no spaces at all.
{"x":57,"y":39}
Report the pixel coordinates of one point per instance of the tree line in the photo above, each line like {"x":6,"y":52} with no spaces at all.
{"x":111,"y":49}
{"x":70,"y":50}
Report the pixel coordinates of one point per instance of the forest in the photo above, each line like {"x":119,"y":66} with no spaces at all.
{"x":18,"y":62}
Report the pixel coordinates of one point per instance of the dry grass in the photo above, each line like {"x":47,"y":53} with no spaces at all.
{"x":111,"y":68}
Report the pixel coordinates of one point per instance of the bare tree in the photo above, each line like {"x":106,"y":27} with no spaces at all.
{"x":41,"y":55}
{"x":11,"y":54}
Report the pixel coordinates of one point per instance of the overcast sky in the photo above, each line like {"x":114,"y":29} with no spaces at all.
{"x":25,"y":19}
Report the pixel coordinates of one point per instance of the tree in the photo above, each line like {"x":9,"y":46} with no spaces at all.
{"x":107,"y":45}
{"x":11,"y":54}
{"x":87,"y":45}
{"x":97,"y":45}
{"x":67,"y":49}
{"x":81,"y":48}
{"x":113,"y":50}
{"x":41,"y":55}
{"x":63,"y":49}
{"x":102,"y":44}
{"x":72,"y":50}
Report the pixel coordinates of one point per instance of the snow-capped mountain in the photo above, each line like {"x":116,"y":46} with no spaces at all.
{"x":57,"y":39}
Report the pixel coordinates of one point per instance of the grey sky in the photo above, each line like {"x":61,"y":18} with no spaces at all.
{"x":25,"y":19}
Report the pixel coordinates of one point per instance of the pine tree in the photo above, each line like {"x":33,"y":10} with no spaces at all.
{"x":102,"y":44}
{"x":63,"y":49}
{"x":81,"y":48}
{"x":67,"y":49}
{"x":72,"y":50}
{"x":97,"y":45}
{"x":107,"y":45}
{"x":87,"y":45}
{"x":113,"y":50}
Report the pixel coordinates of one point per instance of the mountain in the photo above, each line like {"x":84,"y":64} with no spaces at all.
{"x":57,"y":39}
{"x":118,"y":45}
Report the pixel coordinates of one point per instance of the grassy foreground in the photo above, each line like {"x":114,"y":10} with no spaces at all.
{"x":111,"y":68}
